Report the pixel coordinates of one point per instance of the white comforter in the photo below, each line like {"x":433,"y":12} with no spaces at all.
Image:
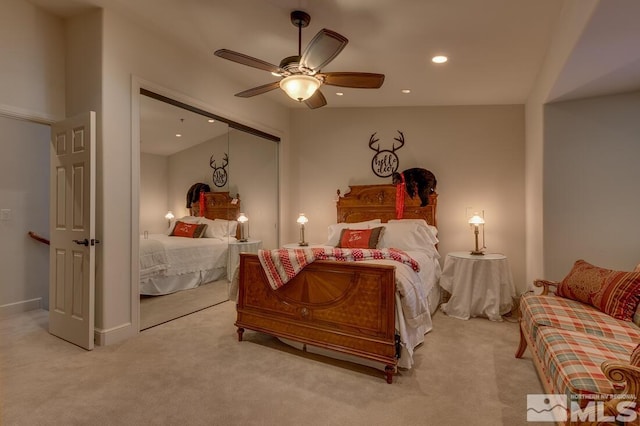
{"x":161,"y":254}
{"x":413,"y":319}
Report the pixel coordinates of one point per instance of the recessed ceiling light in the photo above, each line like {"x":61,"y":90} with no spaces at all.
{"x":439,"y":59}
{"x":406,"y":91}
{"x":211,"y":120}
{"x":339,"y":93}
{"x":178,"y":135}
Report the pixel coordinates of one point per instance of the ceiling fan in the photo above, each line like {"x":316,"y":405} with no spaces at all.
{"x":301,"y":74}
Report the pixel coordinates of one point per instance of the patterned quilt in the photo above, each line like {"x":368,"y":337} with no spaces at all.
{"x":282,"y":265}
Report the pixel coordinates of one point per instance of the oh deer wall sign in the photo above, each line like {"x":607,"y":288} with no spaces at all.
{"x":384,"y":163}
{"x":219,"y":175}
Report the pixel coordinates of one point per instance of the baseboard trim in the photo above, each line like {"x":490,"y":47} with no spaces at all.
{"x":103,"y":337}
{"x":22,"y":306}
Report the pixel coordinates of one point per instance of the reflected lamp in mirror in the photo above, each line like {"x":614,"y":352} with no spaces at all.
{"x":302,"y":220}
{"x":243,"y":222}
{"x":169,"y":216}
{"x":476,"y":220}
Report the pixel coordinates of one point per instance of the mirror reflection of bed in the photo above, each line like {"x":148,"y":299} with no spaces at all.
{"x":169,"y":166}
{"x":184,"y":270}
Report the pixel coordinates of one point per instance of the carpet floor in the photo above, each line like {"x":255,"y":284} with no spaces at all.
{"x":193,"y":371}
{"x":156,"y":310}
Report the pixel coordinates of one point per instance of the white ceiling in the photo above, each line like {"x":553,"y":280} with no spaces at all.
{"x":160,"y":123}
{"x":495,"y":47}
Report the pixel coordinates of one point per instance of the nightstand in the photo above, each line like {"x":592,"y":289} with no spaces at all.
{"x":237,"y":247}
{"x":480,"y":285}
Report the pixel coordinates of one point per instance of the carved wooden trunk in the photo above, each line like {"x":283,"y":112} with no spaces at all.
{"x":346,"y":307}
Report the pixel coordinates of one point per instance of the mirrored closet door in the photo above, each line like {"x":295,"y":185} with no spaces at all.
{"x":183,"y":150}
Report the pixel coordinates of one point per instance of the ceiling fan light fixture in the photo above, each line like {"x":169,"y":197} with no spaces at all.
{"x":299,"y":87}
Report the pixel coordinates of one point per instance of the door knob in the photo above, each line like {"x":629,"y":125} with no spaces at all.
{"x":84,"y":242}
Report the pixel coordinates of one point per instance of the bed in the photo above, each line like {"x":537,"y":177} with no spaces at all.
{"x":173,"y":263}
{"x":374,"y":310}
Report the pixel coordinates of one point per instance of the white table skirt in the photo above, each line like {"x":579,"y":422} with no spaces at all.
{"x":479,"y":285}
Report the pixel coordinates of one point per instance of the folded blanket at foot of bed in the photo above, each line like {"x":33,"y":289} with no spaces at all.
{"x":281,"y":265}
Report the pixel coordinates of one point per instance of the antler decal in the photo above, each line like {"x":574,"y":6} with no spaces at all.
{"x":385,"y":162}
{"x":219,"y":175}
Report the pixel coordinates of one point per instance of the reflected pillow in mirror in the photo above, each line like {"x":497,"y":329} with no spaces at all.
{"x":187,"y":219}
{"x":188,"y":230}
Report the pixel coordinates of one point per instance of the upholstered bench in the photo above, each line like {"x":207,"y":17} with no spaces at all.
{"x":585,"y":338}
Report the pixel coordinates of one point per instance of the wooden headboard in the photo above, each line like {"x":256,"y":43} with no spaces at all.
{"x":218,"y":205}
{"x":366,"y":202}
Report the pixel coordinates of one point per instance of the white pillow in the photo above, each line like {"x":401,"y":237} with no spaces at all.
{"x":186,"y":219}
{"x":407,"y":236}
{"x":231,"y":226}
{"x":433,"y":231}
{"x":336,"y":229}
{"x":214,"y":229}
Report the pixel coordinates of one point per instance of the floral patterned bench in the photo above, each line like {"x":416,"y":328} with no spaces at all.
{"x":585,"y":341}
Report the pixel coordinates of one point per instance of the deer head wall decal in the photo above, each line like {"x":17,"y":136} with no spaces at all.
{"x":219,"y":175}
{"x":385,"y":162}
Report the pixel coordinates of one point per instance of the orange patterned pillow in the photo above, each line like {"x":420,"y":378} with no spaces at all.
{"x":189,"y":230}
{"x":360,"y":238}
{"x":616,"y":293}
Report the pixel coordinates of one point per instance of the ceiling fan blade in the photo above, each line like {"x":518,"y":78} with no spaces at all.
{"x":358,"y":80}
{"x":316,"y":101}
{"x":249,"y":61}
{"x":324,"y":47}
{"x":259,"y":90}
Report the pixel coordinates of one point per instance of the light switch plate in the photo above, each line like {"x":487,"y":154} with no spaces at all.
{"x":5,"y":214}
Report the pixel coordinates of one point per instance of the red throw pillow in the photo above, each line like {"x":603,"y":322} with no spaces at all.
{"x":616,"y":293}
{"x":360,"y":238}
{"x":189,"y":230}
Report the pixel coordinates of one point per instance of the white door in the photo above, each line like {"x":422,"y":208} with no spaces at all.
{"x":72,"y":230}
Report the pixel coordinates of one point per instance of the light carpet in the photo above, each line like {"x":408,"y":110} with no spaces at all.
{"x":193,"y":371}
{"x":155,"y":310}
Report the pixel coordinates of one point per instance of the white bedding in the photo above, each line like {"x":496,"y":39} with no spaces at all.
{"x":169,"y":264}
{"x":413,"y":313}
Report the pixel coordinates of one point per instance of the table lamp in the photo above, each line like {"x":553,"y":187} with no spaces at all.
{"x":302,"y":219}
{"x":476,"y":220}
{"x":243,"y":220}
{"x":169,"y":216}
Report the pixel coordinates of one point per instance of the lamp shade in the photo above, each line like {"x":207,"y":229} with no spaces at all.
{"x":476,"y":219}
{"x":169,"y":215}
{"x":299,"y":87}
{"x":243,"y":218}
{"x":302,"y":219}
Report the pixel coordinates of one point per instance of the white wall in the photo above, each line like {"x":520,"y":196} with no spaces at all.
{"x":591,"y":175}
{"x":476,"y":153}
{"x":254,"y":175}
{"x":32,"y":63}
{"x":154,"y":193}
{"x":573,"y":19}
{"x":24,"y":191}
